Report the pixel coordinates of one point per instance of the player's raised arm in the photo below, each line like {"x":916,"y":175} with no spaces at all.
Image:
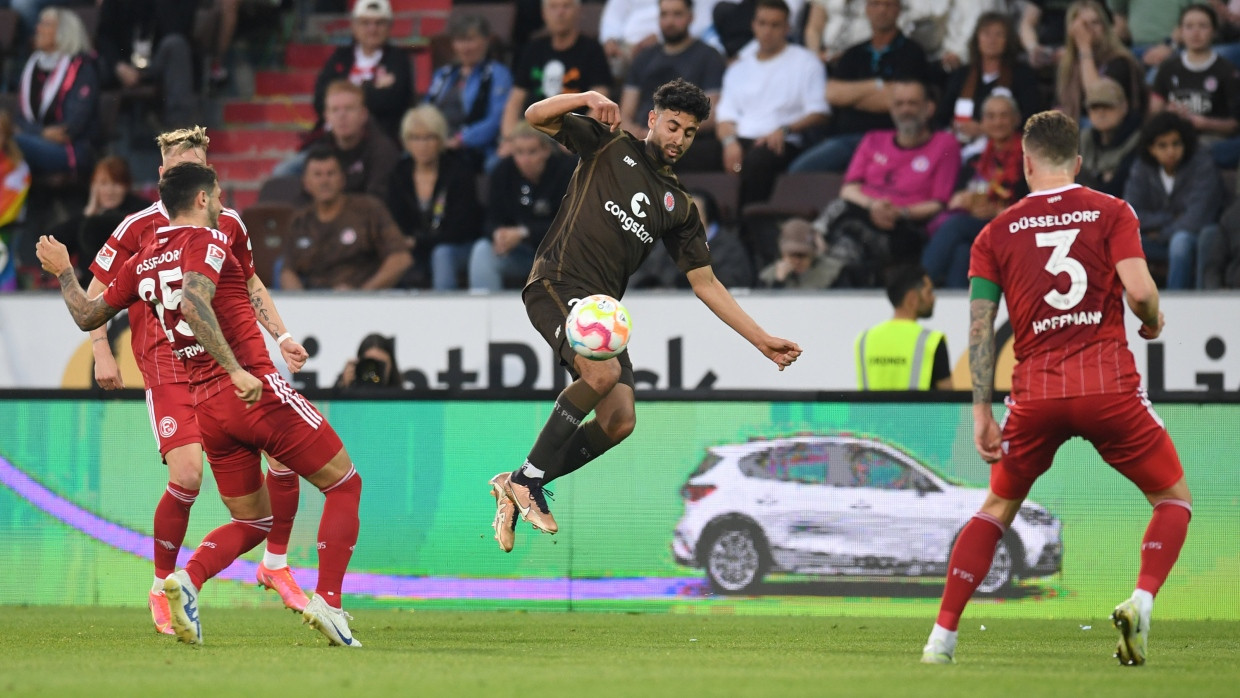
{"x":88,"y":313}
{"x":199,"y":292}
{"x":716,"y":297}
{"x":294,"y":354}
{"x":1142,"y":295}
{"x":548,"y":114}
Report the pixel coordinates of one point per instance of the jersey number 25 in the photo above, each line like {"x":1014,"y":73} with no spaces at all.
{"x":168,"y":299}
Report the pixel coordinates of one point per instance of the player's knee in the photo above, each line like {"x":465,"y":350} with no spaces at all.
{"x":620,"y":424}
{"x":602,"y":376}
{"x":185,"y":475}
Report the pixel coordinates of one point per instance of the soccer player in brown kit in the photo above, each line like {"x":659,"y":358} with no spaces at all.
{"x":622,"y":199}
{"x":1065,"y":257}
{"x":196,"y":291}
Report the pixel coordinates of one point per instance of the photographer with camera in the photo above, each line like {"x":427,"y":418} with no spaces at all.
{"x":374,"y":367}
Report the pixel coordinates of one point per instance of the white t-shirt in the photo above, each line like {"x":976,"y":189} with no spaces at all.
{"x":760,"y":96}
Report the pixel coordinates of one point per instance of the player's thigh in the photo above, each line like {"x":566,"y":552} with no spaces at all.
{"x":547,"y":305}
{"x":174,"y":420}
{"x":249,"y":507}
{"x":274,"y":464}
{"x":1131,"y":437}
{"x":1032,"y":433}
{"x":235,"y":464}
{"x":285,"y":425}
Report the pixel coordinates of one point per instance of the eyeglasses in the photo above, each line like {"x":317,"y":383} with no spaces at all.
{"x":798,"y":255}
{"x":1101,"y":105}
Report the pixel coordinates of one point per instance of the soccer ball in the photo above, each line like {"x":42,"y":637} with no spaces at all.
{"x":598,"y":327}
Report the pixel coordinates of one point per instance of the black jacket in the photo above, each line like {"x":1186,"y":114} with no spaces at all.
{"x":454,"y":215}
{"x":119,"y":19}
{"x":387,"y":105}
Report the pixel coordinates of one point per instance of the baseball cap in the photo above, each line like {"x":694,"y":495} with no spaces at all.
{"x":1105,"y":92}
{"x":372,"y":9}
{"x":797,"y":236}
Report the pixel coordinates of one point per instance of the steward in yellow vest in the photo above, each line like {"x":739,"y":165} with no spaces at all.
{"x":900,"y":354}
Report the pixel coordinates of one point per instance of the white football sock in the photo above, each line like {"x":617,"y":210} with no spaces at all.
{"x":158,"y":585}
{"x":945,"y":636}
{"x":530,"y":471}
{"x":274,"y":562}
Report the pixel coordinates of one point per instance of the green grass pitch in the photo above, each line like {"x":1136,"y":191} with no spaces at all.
{"x":57,"y":651}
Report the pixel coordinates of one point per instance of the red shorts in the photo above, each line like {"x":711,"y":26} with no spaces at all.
{"x":282,"y":423}
{"x":171,"y":408}
{"x":1123,"y":427}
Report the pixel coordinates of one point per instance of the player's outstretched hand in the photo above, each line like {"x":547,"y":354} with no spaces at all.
{"x":52,"y":255}
{"x":249,"y":388}
{"x":987,"y":436}
{"x":294,"y":354}
{"x":782,"y":351}
{"x":603,"y":110}
{"x":1148,"y":332}
{"x":107,"y":373}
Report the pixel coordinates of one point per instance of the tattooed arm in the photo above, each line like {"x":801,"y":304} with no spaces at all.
{"x":199,"y":291}
{"x":269,"y":319}
{"x":987,"y":436}
{"x":88,"y":313}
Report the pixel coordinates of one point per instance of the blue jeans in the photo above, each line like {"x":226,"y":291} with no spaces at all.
{"x":946,"y":257}
{"x":448,"y":262}
{"x":1211,"y":258}
{"x":491,"y":272}
{"x":292,"y":166}
{"x":43,"y":156}
{"x":1226,"y":153}
{"x":830,"y":155}
{"x":1179,"y":250}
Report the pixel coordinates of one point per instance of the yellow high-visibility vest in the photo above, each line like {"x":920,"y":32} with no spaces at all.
{"x":896,"y":355}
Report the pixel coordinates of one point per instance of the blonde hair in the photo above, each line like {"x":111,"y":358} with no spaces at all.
{"x":71,"y":36}
{"x":523,"y":129}
{"x":1068,"y":84}
{"x":429,"y":118}
{"x":181,"y":140}
{"x":345,"y":87}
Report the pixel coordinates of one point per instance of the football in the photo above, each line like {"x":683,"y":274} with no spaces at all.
{"x":598,"y":327}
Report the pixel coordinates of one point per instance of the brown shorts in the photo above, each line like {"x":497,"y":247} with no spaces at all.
{"x":547,"y":304}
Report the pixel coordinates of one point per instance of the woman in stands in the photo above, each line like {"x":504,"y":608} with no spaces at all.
{"x":14,"y":184}
{"x":111,"y":199}
{"x":995,"y":67}
{"x":433,"y":197}
{"x":58,"y":97}
{"x":1093,"y":50}
{"x":471,"y":92}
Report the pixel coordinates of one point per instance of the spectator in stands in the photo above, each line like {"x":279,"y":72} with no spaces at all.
{"x":524,"y":193}
{"x":988,"y":183}
{"x":14,"y":185}
{"x":728,"y":257}
{"x":1177,"y":193}
{"x":143,"y":42}
{"x":371,"y":62}
{"x":561,"y":62}
{"x":1149,"y":26}
{"x":896,"y":185}
{"x":1219,"y":251}
{"x":679,"y":56}
{"x":801,"y":264}
{"x":900,"y":354}
{"x":994,"y":67}
{"x":341,"y":241}
{"x":111,"y":199}
{"x":1093,"y":51}
{"x":434,"y":199}
{"x":373,"y":367}
{"x":367,"y":155}
{"x":58,"y":97}
{"x":627,"y":27}
{"x":1042,"y":31}
{"x":834,"y":26}
{"x":1197,"y":83}
{"x":471,"y":92}
{"x":944,"y":27}
{"x":772,"y":95}
{"x":1109,"y":142}
{"x":856,"y":90}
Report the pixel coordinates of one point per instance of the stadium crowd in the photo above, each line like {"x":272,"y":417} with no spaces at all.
{"x":888,"y":130}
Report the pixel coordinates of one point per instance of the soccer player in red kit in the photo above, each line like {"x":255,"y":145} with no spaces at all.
{"x":195,"y":289}
{"x":167,"y":390}
{"x":1064,"y":257}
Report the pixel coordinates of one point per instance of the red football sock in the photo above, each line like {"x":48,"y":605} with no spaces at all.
{"x":1161,"y":546}
{"x":171,"y":520}
{"x":223,"y":545}
{"x":968,"y":566}
{"x":284,"y":490}
{"x":338,"y":534}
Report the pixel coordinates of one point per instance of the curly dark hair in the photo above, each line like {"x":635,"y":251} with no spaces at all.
{"x":680,"y":95}
{"x":1160,"y":124}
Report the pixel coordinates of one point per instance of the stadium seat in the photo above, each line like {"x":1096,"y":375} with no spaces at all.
{"x":9,"y":21}
{"x":724,"y":186}
{"x":283,"y":190}
{"x":268,"y":224}
{"x":796,"y":195}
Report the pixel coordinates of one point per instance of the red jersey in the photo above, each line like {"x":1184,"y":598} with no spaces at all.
{"x":1053,"y":254}
{"x":150,"y":345}
{"x":155,"y":276}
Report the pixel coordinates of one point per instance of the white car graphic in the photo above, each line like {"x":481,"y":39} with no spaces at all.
{"x":840,"y":505}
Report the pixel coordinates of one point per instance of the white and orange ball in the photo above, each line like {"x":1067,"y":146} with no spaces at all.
{"x":598,"y":327}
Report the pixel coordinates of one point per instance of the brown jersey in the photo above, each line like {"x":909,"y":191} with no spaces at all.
{"x":618,"y":204}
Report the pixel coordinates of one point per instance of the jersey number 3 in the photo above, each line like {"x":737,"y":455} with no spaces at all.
{"x":168,"y":299}
{"x":1061,"y":263}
